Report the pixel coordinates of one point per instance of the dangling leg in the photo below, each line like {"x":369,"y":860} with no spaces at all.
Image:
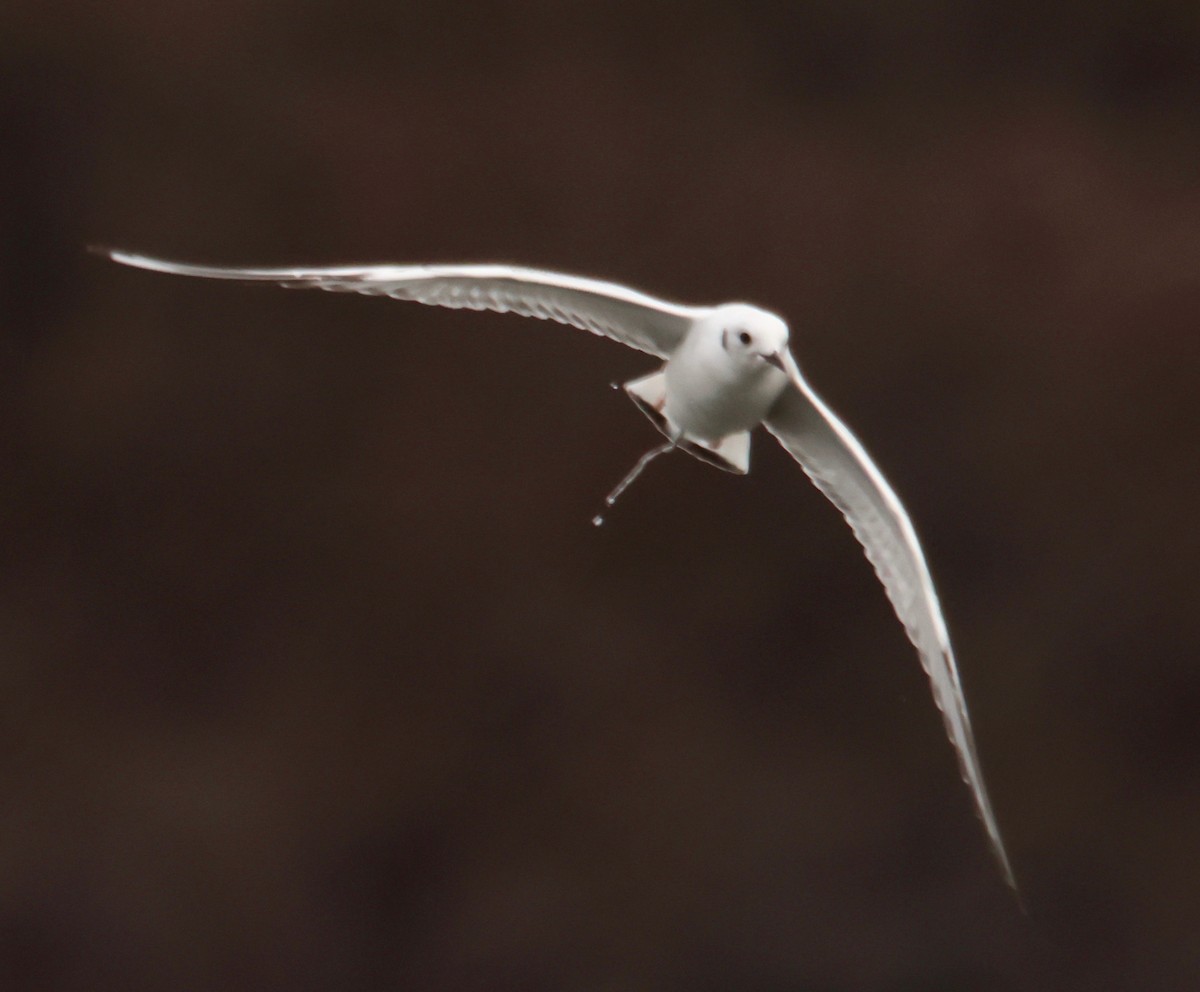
{"x":625,"y":483}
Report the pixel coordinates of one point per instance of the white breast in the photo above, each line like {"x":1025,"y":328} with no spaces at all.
{"x":710,"y":395}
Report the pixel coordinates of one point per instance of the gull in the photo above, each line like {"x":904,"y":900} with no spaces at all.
{"x":726,"y":370}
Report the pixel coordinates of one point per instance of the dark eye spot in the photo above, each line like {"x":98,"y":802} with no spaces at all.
{"x":744,"y":337}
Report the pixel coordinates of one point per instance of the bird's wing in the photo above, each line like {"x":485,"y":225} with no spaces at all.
{"x":835,"y":461}
{"x":605,"y":308}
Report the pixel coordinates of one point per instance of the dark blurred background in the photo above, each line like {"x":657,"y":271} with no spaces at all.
{"x":315,"y":674}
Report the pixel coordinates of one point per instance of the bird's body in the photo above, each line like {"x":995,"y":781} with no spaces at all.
{"x":713,"y":390}
{"x":726,"y":370}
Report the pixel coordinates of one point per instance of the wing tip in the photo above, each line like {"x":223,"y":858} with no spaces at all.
{"x":1011,"y":879}
{"x":128,"y":257}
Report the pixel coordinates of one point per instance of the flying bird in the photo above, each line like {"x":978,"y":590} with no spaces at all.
{"x":726,"y":370}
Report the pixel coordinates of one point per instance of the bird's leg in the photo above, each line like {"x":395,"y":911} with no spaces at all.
{"x":625,"y":483}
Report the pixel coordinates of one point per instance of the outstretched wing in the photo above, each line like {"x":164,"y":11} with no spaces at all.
{"x":834,"y":460}
{"x":605,"y":308}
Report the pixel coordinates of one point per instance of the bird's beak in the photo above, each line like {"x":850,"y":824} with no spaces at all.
{"x":783,"y":360}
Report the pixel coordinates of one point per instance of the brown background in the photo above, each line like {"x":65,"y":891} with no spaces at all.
{"x":314,"y":673}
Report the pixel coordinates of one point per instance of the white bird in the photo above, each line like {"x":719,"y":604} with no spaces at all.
{"x":727,"y":369}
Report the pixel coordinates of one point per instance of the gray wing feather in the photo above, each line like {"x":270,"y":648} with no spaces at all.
{"x":604,"y":308}
{"x":835,"y":461}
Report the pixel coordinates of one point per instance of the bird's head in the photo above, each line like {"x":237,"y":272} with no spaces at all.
{"x":751,"y":337}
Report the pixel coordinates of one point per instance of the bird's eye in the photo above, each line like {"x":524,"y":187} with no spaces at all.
{"x":744,"y":337}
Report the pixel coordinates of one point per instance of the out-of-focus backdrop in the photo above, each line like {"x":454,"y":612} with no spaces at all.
{"x":314,"y":673}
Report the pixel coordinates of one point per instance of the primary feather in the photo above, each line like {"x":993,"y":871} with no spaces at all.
{"x":839,"y":466}
{"x":625,"y":315}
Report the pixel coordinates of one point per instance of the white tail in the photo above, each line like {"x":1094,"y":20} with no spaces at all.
{"x":731,"y":453}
